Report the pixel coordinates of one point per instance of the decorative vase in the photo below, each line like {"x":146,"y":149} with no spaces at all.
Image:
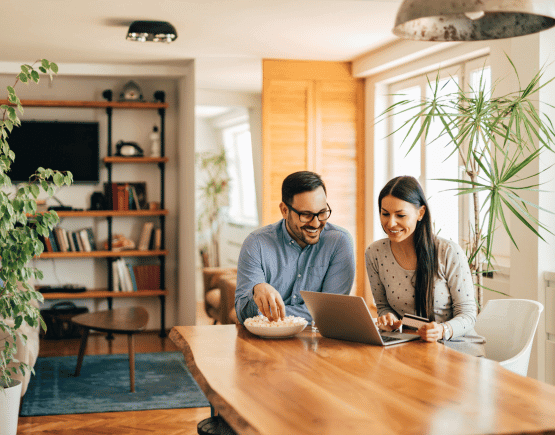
{"x":10,"y":397}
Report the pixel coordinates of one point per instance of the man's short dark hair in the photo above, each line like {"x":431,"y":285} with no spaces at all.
{"x":299,"y":182}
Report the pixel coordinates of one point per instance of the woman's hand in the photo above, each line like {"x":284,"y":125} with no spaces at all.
{"x":269,"y":301}
{"x":388,"y":322}
{"x":431,"y":331}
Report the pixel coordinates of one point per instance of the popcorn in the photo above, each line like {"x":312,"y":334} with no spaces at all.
{"x":261,"y":320}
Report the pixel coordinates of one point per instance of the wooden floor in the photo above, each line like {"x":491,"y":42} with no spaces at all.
{"x":167,"y":421}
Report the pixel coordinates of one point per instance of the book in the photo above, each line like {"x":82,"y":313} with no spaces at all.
{"x":122,"y":197}
{"x":134,"y":195}
{"x":157,"y":245}
{"x":65,"y":235}
{"x":52,"y":239}
{"x":77,"y":241}
{"x":144,"y":240}
{"x":72,"y":246}
{"x":47,"y":244}
{"x":121,"y":275}
{"x":131,"y":274}
{"x":60,"y":239}
{"x":115,"y":277}
{"x":128,"y":284}
{"x":85,"y":240}
{"x":90,"y":236}
{"x":147,"y":276}
{"x":139,"y":195}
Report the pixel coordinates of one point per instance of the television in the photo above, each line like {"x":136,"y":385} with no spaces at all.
{"x":60,"y":145}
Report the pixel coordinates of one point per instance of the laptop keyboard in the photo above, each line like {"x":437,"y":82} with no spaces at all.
{"x":387,"y":339}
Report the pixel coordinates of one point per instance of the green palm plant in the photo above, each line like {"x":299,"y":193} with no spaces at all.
{"x":497,"y":138}
{"x":20,"y":228}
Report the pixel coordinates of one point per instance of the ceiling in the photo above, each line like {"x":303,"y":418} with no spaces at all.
{"x":227,"y":38}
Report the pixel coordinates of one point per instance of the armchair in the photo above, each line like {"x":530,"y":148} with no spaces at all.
{"x":219,"y":294}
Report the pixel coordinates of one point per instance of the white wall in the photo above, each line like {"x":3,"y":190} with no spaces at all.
{"x":208,"y":138}
{"x":533,"y":257}
{"x":77,"y":82}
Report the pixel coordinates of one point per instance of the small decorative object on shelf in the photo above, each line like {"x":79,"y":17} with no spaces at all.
{"x":131,"y":92}
{"x":155,"y":142}
{"x":120,"y":242}
{"x":128,"y":149}
{"x":98,"y":201}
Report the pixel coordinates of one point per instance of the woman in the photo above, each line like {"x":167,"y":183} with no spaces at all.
{"x":413,"y":271}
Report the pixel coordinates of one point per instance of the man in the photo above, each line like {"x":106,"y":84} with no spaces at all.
{"x":301,"y":252}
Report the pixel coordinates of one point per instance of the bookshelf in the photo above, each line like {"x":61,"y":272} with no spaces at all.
{"x":160,"y":254}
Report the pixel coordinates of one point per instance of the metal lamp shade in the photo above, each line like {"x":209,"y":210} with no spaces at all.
{"x":472,"y":20}
{"x":155,"y":31}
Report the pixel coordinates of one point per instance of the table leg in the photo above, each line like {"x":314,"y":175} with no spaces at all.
{"x":82,"y":350}
{"x":131,"y":344}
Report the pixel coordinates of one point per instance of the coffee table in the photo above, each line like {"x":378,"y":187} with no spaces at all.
{"x":117,"y":321}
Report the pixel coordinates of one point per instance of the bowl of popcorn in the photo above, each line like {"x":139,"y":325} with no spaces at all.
{"x":288,"y":327}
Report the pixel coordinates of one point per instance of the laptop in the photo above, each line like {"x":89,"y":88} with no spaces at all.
{"x":346,"y":317}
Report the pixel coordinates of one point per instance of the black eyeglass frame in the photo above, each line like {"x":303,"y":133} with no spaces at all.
{"x":314,"y":215}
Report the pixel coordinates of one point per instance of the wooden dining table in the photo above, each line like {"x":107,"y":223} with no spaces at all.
{"x":309,"y":384}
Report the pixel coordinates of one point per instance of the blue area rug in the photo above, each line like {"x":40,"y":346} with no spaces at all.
{"x":162,"y":381}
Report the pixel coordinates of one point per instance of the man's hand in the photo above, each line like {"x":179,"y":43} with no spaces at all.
{"x":431,"y":331}
{"x":269,"y":301}
{"x":388,"y":322}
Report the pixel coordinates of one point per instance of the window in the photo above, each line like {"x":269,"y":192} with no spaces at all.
{"x":242,"y":196}
{"x":429,"y":162}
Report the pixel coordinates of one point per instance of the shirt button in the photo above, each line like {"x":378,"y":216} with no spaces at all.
{"x":294,"y":297}
{"x":299,"y":275}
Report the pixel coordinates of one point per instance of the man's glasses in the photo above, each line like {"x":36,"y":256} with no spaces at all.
{"x":306,"y":216}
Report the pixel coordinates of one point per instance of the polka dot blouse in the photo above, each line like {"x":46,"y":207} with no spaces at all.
{"x":393,"y":286}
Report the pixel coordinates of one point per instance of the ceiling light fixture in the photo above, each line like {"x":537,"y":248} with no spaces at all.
{"x":155,"y":31}
{"x":472,"y":20}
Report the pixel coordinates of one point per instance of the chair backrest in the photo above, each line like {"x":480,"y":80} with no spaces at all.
{"x":508,"y":326}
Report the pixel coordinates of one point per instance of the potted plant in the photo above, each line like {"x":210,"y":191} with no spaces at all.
{"x":20,"y":228}
{"x":215,"y":191}
{"x":496,"y":138}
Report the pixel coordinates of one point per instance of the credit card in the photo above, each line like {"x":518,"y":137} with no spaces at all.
{"x":412,"y":321}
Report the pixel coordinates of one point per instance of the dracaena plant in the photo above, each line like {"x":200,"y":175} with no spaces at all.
{"x":497,"y":138}
{"x":215,"y":195}
{"x":20,"y":229}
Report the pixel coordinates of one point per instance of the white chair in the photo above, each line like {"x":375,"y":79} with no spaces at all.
{"x":508,"y":326}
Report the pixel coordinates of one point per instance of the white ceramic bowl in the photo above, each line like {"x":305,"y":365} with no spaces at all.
{"x":276,"y":331}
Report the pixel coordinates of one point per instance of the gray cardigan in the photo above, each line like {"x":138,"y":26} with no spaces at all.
{"x":393,"y":287}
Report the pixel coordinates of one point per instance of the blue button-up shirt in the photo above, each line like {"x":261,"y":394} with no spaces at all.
{"x":269,"y":255}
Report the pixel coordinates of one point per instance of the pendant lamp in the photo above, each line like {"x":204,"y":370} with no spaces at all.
{"x":155,"y":31}
{"x":472,"y":20}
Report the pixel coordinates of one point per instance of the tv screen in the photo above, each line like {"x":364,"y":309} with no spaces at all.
{"x":61,"y":145}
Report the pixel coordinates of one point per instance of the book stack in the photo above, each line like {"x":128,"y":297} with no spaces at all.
{"x":125,"y":196}
{"x":62,"y":240}
{"x":147,"y":276}
{"x":151,"y":238}
{"x":123,"y":277}
{"x":129,"y":278}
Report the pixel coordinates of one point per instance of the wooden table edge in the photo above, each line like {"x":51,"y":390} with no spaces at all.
{"x":223,"y":408}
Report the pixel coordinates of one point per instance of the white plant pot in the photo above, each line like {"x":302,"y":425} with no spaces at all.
{"x":9,"y":408}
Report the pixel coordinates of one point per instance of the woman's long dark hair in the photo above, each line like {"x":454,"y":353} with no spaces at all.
{"x":408,"y":189}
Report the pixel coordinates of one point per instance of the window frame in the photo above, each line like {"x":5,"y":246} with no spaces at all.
{"x":463,"y":70}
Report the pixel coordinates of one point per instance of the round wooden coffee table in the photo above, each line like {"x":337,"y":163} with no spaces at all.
{"x":118,"y":321}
